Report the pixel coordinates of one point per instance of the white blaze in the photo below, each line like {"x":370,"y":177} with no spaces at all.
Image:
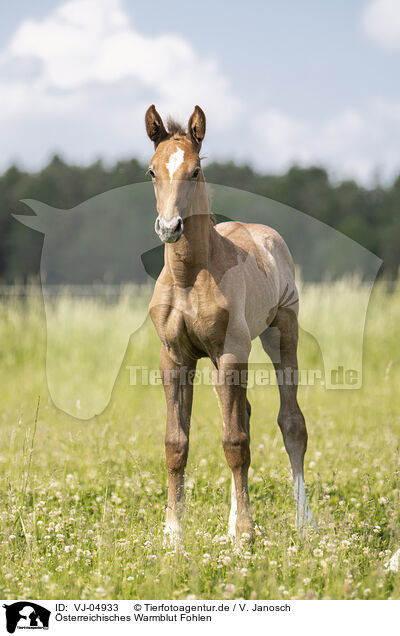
{"x":175,"y":160}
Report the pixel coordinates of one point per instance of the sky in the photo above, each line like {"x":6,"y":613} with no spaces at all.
{"x":309,"y":82}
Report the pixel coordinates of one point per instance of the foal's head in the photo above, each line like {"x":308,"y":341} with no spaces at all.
{"x":175,"y":169}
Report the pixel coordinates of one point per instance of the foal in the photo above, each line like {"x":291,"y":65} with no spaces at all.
{"x":221,"y":287}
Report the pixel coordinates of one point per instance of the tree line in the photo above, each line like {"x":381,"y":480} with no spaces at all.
{"x":368,"y":215}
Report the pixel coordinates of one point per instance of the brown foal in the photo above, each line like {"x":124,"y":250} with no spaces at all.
{"x":221,"y":287}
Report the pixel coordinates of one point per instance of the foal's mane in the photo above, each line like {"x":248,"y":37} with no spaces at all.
{"x":175,"y":128}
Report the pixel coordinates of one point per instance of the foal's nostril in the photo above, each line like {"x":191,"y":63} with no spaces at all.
{"x":179,"y":226}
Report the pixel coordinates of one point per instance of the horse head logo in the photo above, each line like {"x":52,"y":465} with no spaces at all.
{"x":105,"y":238}
{"x":25,"y":614}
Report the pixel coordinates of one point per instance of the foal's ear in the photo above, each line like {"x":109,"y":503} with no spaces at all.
{"x":154,"y":126}
{"x":197,"y":126}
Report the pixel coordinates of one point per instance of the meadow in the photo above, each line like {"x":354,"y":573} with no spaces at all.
{"x":82,"y":502}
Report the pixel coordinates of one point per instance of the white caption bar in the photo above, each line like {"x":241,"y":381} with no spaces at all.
{"x":174,"y":617}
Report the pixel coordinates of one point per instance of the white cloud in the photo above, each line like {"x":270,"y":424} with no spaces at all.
{"x":81,"y":78}
{"x":353,"y":143}
{"x":381,"y":22}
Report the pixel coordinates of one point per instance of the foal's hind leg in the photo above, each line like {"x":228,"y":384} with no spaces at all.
{"x":290,"y":418}
{"x":233,"y":510}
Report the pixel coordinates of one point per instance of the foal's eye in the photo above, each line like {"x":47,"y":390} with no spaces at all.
{"x":151,"y":173}
{"x":196,"y":173}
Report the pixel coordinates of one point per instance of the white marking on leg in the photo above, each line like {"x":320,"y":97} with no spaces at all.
{"x":304,"y":515}
{"x":175,"y":160}
{"x":233,"y":512}
{"x":394,"y":563}
{"x":172,"y":535}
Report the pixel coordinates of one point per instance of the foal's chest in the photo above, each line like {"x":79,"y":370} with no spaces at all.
{"x":190,"y":322}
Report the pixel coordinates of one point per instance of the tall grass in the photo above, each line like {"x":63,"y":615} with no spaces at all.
{"x":82,"y":501}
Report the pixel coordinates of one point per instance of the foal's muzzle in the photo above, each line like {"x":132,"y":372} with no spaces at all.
{"x":169,"y":230}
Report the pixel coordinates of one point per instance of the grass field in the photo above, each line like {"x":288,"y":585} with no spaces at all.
{"x":82,"y":502}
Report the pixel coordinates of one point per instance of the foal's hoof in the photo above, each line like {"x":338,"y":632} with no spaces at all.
{"x":173,"y":538}
{"x":393,"y":565}
{"x":305,"y":522}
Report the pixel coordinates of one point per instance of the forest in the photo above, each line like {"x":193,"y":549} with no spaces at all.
{"x":124,"y":218}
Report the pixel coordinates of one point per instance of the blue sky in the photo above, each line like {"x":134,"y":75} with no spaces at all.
{"x":309,"y":57}
{"x":309,"y":81}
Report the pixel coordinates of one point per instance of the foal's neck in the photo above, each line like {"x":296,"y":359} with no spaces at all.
{"x":185,"y":258}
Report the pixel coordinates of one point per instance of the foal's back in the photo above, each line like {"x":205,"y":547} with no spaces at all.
{"x":267,"y":269}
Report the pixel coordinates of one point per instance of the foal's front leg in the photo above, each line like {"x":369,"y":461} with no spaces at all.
{"x":231,"y":388}
{"x":179,"y":395}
